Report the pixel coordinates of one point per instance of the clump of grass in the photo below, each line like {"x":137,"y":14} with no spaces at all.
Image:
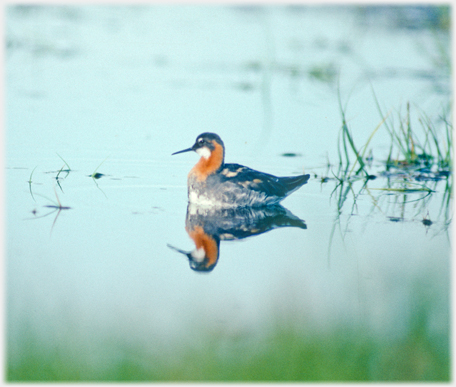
{"x":420,"y":154}
{"x":434,"y":152}
{"x":425,"y":149}
{"x":407,"y":152}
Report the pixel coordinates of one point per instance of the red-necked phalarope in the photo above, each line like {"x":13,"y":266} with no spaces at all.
{"x":211,"y":182}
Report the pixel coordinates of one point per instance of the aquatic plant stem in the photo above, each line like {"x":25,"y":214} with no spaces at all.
{"x":30,"y":183}
{"x":69,"y":169}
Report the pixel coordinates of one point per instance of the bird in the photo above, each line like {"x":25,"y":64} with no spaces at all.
{"x":208,"y":226}
{"x":212,"y":182}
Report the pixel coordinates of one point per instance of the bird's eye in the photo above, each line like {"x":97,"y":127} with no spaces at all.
{"x":200,"y":140}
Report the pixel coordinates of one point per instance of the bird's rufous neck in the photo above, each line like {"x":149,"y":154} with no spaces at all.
{"x":206,"y":243}
{"x":206,"y":166}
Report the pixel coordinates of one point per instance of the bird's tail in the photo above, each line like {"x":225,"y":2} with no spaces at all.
{"x":292,"y":183}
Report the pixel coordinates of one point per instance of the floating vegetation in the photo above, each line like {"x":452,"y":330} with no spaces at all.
{"x":95,"y":174}
{"x":326,"y":73}
{"x":57,"y":206}
{"x":291,"y":154}
{"x":405,"y":190}
{"x":426,"y":221}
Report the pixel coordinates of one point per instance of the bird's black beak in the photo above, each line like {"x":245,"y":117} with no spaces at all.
{"x":182,"y":151}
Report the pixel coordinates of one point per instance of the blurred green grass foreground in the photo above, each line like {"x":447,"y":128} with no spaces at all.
{"x":284,"y":353}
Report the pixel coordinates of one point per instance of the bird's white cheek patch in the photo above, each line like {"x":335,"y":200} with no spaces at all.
{"x":204,"y":152}
{"x":198,"y":255}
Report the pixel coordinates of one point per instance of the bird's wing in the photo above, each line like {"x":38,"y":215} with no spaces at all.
{"x":251,"y":179}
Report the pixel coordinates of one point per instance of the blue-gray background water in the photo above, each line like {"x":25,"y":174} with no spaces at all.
{"x":93,"y":290}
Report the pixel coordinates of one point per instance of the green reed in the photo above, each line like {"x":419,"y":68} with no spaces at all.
{"x":426,"y":146}
{"x":347,"y":143}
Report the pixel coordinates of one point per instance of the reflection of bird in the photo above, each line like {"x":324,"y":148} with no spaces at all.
{"x":208,"y":226}
{"x":212,"y":182}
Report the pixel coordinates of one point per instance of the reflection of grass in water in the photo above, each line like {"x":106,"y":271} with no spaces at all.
{"x":285,"y":353}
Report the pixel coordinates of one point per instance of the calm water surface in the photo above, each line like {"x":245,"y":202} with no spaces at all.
{"x":116,"y":90}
